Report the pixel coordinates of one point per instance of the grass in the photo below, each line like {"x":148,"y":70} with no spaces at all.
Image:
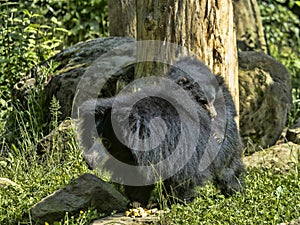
{"x":36,"y":177}
{"x":269,"y":198}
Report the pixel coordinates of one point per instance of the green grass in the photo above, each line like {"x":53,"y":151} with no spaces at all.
{"x":267,"y":199}
{"x":36,"y":177}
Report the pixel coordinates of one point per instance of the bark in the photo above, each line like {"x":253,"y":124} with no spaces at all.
{"x":204,"y":28}
{"x":122,"y":18}
{"x":249,"y":29}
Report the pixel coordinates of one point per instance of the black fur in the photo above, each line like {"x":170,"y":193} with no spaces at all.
{"x":226,"y":167}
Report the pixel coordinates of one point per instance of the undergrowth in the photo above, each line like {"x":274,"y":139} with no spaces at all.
{"x":269,"y":198}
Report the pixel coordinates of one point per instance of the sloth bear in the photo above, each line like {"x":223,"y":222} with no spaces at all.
{"x":158,"y":132}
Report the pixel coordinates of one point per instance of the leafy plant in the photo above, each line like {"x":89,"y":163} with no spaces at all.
{"x":26,"y":42}
{"x":36,"y":175}
{"x":83,"y":19}
{"x":282,"y":31}
{"x":32,"y":31}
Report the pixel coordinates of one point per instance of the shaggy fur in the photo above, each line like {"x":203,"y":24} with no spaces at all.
{"x":224,"y":148}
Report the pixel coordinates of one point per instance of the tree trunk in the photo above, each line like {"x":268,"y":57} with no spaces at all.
{"x":204,"y":28}
{"x":122,"y":18}
{"x":249,"y":29}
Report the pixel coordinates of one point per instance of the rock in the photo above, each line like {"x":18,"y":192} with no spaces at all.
{"x":84,"y":192}
{"x":294,"y":222}
{"x":265,"y":99}
{"x":281,"y":158}
{"x":73,"y":62}
{"x":293,"y":133}
{"x":264,"y":83}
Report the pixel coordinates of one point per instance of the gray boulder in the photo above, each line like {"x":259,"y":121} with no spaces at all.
{"x":73,"y":62}
{"x":264,"y":83}
{"x":87,"y":191}
{"x":265,"y":99}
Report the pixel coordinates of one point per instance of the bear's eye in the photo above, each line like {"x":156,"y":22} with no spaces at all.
{"x":201,"y":100}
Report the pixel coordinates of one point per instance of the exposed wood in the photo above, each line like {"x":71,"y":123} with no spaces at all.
{"x":249,"y":34}
{"x":122,"y":18}
{"x":204,"y":28}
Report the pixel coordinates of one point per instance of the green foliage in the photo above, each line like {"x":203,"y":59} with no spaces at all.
{"x":36,"y":175}
{"x":268,"y":199}
{"x":32,"y":31}
{"x":83,"y":19}
{"x":24,"y":120}
{"x":282,"y":32}
{"x":24,"y":43}
{"x":84,"y":218}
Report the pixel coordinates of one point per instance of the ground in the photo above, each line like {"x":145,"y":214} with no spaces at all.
{"x":280,"y":158}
